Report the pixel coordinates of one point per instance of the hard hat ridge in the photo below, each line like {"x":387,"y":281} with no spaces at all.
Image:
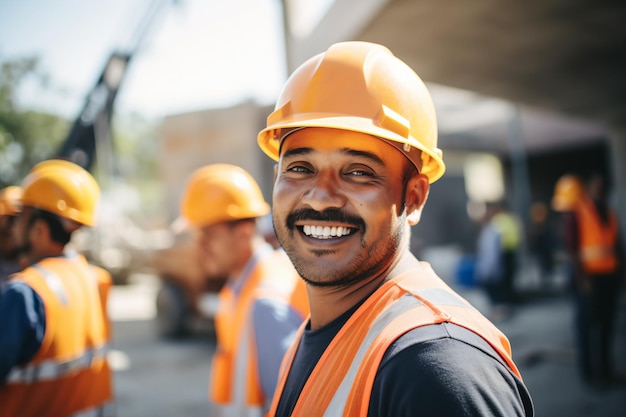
{"x":363,"y":87}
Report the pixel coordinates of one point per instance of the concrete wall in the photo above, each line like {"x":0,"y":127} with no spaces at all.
{"x":191,"y":140}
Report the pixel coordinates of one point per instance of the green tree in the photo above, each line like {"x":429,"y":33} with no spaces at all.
{"x":26,"y":136}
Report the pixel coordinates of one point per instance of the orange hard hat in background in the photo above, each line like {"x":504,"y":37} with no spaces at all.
{"x":361,"y":87}
{"x":63,"y":188}
{"x":568,"y":192}
{"x":10,"y":200}
{"x":220,"y":193}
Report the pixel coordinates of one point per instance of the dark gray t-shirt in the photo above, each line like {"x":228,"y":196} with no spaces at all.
{"x":437,"y":370}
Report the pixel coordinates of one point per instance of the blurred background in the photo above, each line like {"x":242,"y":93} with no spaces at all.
{"x":144,"y":92}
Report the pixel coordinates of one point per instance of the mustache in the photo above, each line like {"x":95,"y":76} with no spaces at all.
{"x":329,"y":215}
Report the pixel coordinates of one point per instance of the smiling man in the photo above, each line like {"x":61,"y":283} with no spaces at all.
{"x":354,"y":133}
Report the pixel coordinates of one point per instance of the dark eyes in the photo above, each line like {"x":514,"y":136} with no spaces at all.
{"x":360,"y":173}
{"x":299,"y":169}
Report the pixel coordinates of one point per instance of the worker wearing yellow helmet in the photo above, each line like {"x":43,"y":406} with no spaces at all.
{"x":595,"y":266}
{"x":354,"y":133}
{"x":569,"y":191}
{"x":53,"y":325}
{"x":263,"y":301}
{"x":10,"y":207}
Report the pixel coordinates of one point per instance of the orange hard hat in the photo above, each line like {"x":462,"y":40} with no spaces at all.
{"x":568,"y":191}
{"x":361,"y":87}
{"x":221,"y":193}
{"x":63,"y":188}
{"x":10,"y":200}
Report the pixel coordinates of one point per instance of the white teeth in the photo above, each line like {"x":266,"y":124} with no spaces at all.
{"x":326,"y":232}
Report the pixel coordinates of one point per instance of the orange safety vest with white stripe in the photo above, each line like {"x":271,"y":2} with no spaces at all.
{"x":69,"y":375}
{"x":596,"y":239}
{"x":342,"y":380}
{"x":235,"y":382}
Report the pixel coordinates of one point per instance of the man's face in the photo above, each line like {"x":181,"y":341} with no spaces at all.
{"x":219,"y":250}
{"x":338,"y":205}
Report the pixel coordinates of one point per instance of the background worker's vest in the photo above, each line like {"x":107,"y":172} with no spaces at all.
{"x":596,"y":239}
{"x":509,"y":228}
{"x":69,"y":375}
{"x":235,"y":383}
{"x":342,"y":380}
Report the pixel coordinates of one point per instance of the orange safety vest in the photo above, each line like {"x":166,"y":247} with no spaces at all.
{"x":342,"y":380}
{"x":69,"y":375}
{"x":596,"y":239}
{"x":235,"y":382}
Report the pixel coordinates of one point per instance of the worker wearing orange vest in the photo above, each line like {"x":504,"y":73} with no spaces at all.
{"x":595,"y":250}
{"x":10,"y":207}
{"x":263,"y":302}
{"x":53,"y":325}
{"x":355,"y":137}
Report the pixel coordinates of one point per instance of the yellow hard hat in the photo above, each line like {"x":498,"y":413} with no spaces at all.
{"x":362,"y":87}
{"x":63,"y":188}
{"x":568,"y":191}
{"x":10,"y":200}
{"x":221,"y":193}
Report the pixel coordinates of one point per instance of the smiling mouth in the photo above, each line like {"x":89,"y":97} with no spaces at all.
{"x":326,"y":232}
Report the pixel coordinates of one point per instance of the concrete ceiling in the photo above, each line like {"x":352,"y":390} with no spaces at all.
{"x":562,"y":63}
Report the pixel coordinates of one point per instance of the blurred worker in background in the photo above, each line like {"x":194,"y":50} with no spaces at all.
{"x":10,"y":207}
{"x":262,"y":303}
{"x":355,"y":136}
{"x":53,"y":326}
{"x":594,"y":246}
{"x":542,"y":243}
{"x":496,"y":261}
{"x":489,"y":265}
{"x":510,"y":240}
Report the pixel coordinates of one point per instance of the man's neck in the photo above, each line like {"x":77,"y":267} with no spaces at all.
{"x":328,"y":303}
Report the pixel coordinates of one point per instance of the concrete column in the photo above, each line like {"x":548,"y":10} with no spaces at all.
{"x":617,"y":137}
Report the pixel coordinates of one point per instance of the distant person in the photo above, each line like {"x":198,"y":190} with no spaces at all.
{"x":542,"y":242}
{"x":262,"y":303}
{"x":596,"y":252}
{"x":496,"y":263}
{"x":10,"y":207}
{"x":354,"y":133}
{"x":490,"y":266}
{"x":510,"y":232}
{"x":54,"y":331}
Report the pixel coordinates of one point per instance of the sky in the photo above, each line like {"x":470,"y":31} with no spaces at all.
{"x":196,"y":54}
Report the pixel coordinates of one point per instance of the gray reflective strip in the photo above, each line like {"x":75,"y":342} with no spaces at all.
{"x":104,"y":410}
{"x":441,"y":296}
{"x":52,"y":369}
{"x":54,"y":283}
{"x":338,"y":403}
{"x":237,"y":406}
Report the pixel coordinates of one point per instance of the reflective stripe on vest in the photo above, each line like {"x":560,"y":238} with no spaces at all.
{"x":338,"y":403}
{"x":72,"y":354}
{"x":54,"y":283}
{"x":342,"y":380}
{"x":51,"y":369}
{"x":238,"y":406}
{"x":236,"y":359}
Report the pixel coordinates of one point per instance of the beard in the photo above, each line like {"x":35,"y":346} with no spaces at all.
{"x":375,"y":256}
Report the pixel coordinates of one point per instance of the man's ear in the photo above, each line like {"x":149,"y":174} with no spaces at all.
{"x":275,"y":172}
{"x":416,"y":195}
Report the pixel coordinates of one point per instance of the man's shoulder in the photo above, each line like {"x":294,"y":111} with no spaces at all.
{"x":446,"y":373}
{"x":455,"y":339}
